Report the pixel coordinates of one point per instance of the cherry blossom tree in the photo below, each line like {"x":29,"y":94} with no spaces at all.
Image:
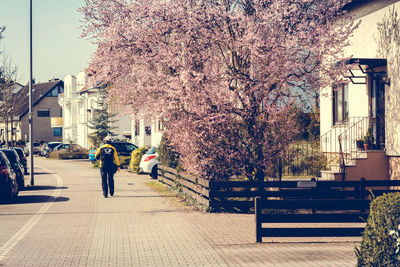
{"x":224,"y":75}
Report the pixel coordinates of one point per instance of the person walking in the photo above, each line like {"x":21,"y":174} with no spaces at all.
{"x":109,"y":164}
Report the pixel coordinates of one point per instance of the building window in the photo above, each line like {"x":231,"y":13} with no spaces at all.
{"x":340,"y":103}
{"x":147,"y":130}
{"x":137,"y":127}
{"x":53,"y":92}
{"x":43,"y":112}
{"x":57,"y":131}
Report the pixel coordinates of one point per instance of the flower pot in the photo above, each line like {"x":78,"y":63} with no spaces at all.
{"x":367,"y":146}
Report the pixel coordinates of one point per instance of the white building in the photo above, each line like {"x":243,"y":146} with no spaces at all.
{"x":368,"y":97}
{"x":71,"y":103}
{"x":79,"y":104}
{"x":146,"y":132}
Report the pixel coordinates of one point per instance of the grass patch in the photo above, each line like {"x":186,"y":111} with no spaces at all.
{"x":177,"y":198}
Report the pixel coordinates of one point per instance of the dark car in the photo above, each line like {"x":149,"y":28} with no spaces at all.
{"x":16,"y":165}
{"x":22,"y":157}
{"x":48,"y":148}
{"x":8,"y":180}
{"x":123,"y":149}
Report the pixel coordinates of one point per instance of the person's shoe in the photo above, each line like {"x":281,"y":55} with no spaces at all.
{"x":111,"y":194}
{"x":105,"y":196}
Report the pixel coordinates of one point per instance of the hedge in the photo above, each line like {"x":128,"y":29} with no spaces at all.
{"x":380,"y":245}
{"x":68,"y":155}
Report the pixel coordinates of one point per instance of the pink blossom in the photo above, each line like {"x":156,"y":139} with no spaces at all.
{"x":224,"y":75}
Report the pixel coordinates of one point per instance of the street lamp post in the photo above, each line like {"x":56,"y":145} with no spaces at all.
{"x":30,"y":96}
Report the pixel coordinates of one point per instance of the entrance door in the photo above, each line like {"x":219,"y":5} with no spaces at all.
{"x":378,"y":109}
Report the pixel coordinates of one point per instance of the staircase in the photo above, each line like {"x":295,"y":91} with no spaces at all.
{"x":339,"y":146}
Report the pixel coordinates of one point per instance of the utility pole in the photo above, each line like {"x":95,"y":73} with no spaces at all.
{"x":30,"y":96}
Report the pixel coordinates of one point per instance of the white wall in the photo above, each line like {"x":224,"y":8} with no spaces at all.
{"x":146,"y":140}
{"x":364,"y":45}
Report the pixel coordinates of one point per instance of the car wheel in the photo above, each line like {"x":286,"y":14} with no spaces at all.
{"x":154,"y":171}
{"x":9,"y":195}
{"x":21,"y":184}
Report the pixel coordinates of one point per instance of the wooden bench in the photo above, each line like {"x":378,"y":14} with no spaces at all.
{"x":310,"y":211}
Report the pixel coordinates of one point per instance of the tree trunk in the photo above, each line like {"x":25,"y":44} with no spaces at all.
{"x":6,"y":133}
{"x":12,"y":133}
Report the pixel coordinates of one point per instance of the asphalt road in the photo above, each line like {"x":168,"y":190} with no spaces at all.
{"x":64,"y":220}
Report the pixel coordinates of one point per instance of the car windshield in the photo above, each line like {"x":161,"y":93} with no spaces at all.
{"x":152,"y":150}
{"x":53,"y":145}
{"x":11,"y":156}
{"x":123,"y":147}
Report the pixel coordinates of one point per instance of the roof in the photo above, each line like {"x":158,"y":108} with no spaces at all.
{"x":39,"y":90}
{"x":87,"y":88}
{"x":368,"y":64}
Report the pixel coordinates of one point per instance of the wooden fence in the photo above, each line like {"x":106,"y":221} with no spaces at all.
{"x":316,"y":202}
{"x":238,"y":196}
{"x":197,"y":188}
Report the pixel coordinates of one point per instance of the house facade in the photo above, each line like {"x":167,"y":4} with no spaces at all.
{"x":7,"y":133}
{"x":73,"y":109}
{"x":367,"y":100}
{"x":146,"y":132}
{"x":79,"y":104}
{"x":46,"y":113}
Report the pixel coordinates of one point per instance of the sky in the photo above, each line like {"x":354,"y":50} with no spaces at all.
{"x":58,"y":49}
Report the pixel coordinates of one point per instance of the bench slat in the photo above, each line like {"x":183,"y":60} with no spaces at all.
{"x":318,"y":204}
{"x":309,"y":232}
{"x":314,"y":217}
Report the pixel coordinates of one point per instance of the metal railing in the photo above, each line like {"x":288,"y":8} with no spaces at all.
{"x":309,"y":158}
{"x":355,"y":128}
{"x":304,"y":159}
{"x":349,"y":139}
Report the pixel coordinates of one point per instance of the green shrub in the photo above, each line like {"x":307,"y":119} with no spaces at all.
{"x":167,"y":154}
{"x":135,"y":158}
{"x":68,"y":155}
{"x":380,"y":245}
{"x":124,"y":161}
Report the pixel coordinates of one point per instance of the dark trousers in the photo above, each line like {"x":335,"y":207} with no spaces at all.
{"x":107,"y":180}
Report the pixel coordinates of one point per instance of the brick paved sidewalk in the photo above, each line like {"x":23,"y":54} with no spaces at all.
{"x":140,"y":227}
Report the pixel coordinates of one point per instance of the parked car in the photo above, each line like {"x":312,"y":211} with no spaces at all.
{"x":47,"y":148}
{"x":74,"y":147}
{"x":61,"y":146}
{"x":91,"y":155}
{"x":16,"y":165}
{"x":123,"y":149}
{"x":149,"y":163}
{"x":8,"y":180}
{"x":36,"y":148}
{"x":22,"y":157}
